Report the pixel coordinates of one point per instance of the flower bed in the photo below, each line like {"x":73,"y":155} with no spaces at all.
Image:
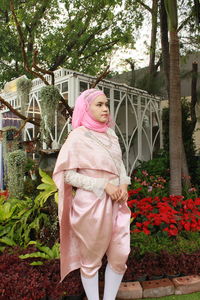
{"x":165,"y":230}
{"x":172,"y":214}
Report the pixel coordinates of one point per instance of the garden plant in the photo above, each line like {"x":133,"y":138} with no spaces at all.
{"x":164,"y":236}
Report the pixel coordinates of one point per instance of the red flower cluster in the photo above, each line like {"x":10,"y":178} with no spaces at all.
{"x":4,"y":194}
{"x":170,"y":214}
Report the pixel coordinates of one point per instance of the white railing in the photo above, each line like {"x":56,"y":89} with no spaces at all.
{"x":137,"y":115}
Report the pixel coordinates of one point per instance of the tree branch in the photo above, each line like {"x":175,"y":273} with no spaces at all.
{"x":103,"y":48}
{"x":184,"y":22}
{"x":22,"y":126}
{"x":17,"y":113}
{"x":35,"y":22}
{"x":101,"y":77}
{"x":61,"y":58}
{"x":145,"y":6}
{"x":23,"y":46}
{"x":68,"y":108}
{"x":34,"y":65}
{"x":90,"y":38}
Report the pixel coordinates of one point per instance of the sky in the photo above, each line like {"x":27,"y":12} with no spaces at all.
{"x":139,"y":54}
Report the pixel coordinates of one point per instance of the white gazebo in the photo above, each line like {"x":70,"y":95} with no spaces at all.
{"x":137,"y":114}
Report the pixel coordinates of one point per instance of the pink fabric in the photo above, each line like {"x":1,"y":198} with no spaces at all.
{"x":84,"y":219}
{"x":81,"y":114}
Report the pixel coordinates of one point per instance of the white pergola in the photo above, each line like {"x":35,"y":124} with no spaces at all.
{"x":137,"y":114}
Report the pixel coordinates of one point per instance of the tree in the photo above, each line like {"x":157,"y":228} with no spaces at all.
{"x":153,"y":65}
{"x":76,"y":34}
{"x":175,"y":122}
{"x":78,"y":40}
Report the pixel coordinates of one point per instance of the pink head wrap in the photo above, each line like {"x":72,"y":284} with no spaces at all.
{"x":81,"y":115}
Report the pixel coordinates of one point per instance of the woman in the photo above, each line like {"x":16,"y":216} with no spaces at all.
{"x":95,"y":220}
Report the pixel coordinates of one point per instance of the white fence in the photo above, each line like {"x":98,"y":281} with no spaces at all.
{"x":137,"y":115}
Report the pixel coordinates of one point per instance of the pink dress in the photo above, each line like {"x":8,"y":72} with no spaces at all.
{"x":91,"y":226}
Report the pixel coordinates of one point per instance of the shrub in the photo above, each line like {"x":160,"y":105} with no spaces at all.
{"x":159,"y":215}
{"x":16,"y":172}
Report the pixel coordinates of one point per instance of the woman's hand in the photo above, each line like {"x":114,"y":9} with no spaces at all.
{"x":124,"y":193}
{"x":113,"y":191}
{"x":118,"y":194}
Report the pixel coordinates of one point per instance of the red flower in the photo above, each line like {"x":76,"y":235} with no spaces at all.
{"x":187,"y":226}
{"x":139,"y":225}
{"x":146,"y":231}
{"x":172,"y":230}
{"x":197,"y":201}
{"x":133,"y":192}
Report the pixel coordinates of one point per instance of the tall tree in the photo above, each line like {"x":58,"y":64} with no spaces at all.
{"x":152,"y":8}
{"x":175,"y":121}
{"x":76,"y":34}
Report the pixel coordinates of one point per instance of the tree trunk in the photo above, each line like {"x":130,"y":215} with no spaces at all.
{"x":153,"y":37}
{"x":166,"y":69}
{"x":175,"y":117}
{"x":194,"y":94}
{"x":164,"y":43}
{"x":133,"y":74}
{"x":154,"y":25}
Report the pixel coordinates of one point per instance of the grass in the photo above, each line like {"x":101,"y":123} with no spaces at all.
{"x":193,"y":296}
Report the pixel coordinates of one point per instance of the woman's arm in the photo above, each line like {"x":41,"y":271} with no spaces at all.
{"x":124,"y":182}
{"x":96,"y":185}
{"x":124,"y":179}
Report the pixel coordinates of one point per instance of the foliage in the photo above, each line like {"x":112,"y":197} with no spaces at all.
{"x":152,"y":177}
{"x":35,"y":282}
{"x":49,"y":189}
{"x":64,"y":34}
{"x":9,"y":144}
{"x":185,"y":242}
{"x":44,"y":253}
{"x":188,"y":139}
{"x":161,"y":215}
{"x":153,"y":84}
{"x":22,"y":220}
{"x":23,"y":88}
{"x":50,"y":97}
{"x":16,"y":171}
{"x":32,"y":178}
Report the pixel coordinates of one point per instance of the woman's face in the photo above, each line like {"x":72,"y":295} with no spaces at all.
{"x":99,"y":109}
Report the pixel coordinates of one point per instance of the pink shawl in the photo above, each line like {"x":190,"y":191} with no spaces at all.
{"x":76,"y":153}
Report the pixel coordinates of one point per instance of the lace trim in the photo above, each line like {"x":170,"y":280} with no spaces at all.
{"x":96,"y":185}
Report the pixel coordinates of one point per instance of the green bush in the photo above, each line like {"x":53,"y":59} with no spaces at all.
{"x":186,"y":242}
{"x":23,"y":220}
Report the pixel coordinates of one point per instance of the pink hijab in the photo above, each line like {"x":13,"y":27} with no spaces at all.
{"x":81,"y":114}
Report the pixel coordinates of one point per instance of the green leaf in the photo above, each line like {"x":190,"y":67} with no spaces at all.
{"x":56,"y":197}
{"x":45,"y":177}
{"x":7,"y":241}
{"x":34,"y":254}
{"x":46,"y":250}
{"x":36,"y":263}
{"x":2,"y":248}
{"x":43,"y":186}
